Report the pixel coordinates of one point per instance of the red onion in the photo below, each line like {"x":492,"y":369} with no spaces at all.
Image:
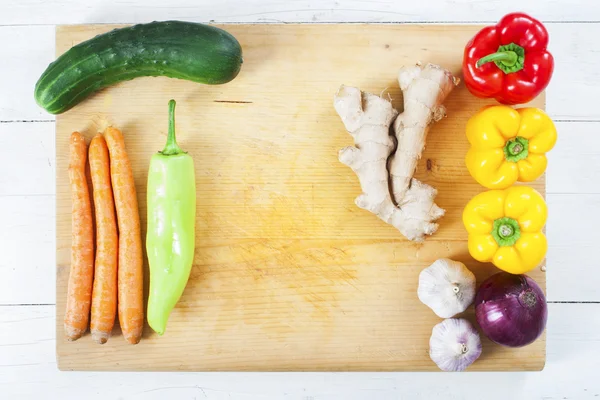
{"x":511,"y":309}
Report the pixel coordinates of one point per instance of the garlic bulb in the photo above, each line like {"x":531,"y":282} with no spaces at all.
{"x":454,"y":344}
{"x":447,"y":287}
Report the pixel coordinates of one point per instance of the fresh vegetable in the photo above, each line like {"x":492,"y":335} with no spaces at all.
{"x":176,"y":49}
{"x":394,"y":196}
{"x":104,"y":294}
{"x":79,"y":292}
{"x":509,"y":61}
{"x":505,"y":228}
{"x":454,"y":345}
{"x":447,"y":287}
{"x":170,"y":236}
{"x":508,"y":145}
{"x":511,"y":309}
{"x":130,"y":275}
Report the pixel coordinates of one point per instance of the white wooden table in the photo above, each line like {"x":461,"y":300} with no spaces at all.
{"x":27,"y":197}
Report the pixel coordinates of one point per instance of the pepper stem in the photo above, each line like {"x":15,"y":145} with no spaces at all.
{"x":509,"y":58}
{"x":171,"y":148}
{"x":516,"y":149}
{"x":506,"y":231}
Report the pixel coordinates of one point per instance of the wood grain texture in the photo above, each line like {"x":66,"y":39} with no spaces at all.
{"x":27,"y":210}
{"x":289,"y":274}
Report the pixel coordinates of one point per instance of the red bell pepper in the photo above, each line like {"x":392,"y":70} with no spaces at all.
{"x":509,"y":61}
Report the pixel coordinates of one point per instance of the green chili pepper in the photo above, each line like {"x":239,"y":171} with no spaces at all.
{"x":171,"y":227}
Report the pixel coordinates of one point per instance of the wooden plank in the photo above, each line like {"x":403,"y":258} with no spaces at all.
{"x":29,"y":50}
{"x":27,"y":243}
{"x":286,"y":265}
{"x":571,"y":94}
{"x":571,"y":257}
{"x":574,"y":162}
{"x":232,"y":11}
{"x":570,"y":90}
{"x":28,"y":153}
{"x":28,"y":369}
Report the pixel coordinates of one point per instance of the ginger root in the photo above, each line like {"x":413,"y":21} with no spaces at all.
{"x":368,"y":118}
{"x":393,"y":195}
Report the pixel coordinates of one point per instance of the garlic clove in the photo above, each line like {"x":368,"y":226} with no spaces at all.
{"x":454,"y":344}
{"x":447,"y":287}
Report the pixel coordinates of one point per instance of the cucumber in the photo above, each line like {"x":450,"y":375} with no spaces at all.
{"x":176,"y":49}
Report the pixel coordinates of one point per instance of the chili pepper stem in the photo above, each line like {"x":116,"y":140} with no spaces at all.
{"x":171,"y":148}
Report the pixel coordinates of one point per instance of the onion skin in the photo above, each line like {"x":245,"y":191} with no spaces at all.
{"x":511,"y":309}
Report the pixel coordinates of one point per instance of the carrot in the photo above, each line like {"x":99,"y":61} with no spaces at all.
{"x":81,"y":276}
{"x":104,"y":294}
{"x":130,"y":271}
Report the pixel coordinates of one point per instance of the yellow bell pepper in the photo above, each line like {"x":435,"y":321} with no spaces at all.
{"x":508,"y":145}
{"x":505,"y":228}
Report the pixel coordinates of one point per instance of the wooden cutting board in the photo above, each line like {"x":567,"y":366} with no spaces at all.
{"x":289,"y":275}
